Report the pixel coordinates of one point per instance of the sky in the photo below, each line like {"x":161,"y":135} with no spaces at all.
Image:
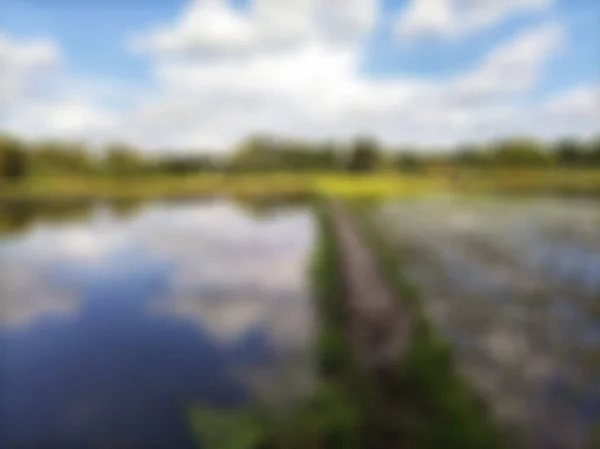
{"x":204,"y":74}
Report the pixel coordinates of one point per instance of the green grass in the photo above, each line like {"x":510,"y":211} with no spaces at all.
{"x":576,"y":181}
{"x":521,"y":181}
{"x":151,"y":187}
{"x":233,"y":429}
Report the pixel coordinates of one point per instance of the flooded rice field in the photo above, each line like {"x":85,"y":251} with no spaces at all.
{"x":114,"y":321}
{"x":515,"y":285}
{"x":116,"y":318}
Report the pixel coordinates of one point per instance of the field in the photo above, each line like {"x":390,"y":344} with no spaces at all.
{"x":504,"y":284}
{"x":564,"y":181}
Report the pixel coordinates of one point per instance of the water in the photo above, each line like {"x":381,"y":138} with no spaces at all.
{"x":515,"y":285}
{"x":115,"y":320}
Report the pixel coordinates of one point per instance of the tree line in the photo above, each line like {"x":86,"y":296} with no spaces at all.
{"x":20,"y":159}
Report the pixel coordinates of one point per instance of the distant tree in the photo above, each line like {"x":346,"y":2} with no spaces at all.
{"x":187,"y":164}
{"x":470,"y":155}
{"x":410,"y":162}
{"x":521,"y":152}
{"x":593,"y":155}
{"x":122,"y":159}
{"x":303,"y":156}
{"x":326,"y":156}
{"x":13,"y":159}
{"x":293,"y":155}
{"x":257,"y":153}
{"x":365,"y":155}
{"x":60,"y":157}
{"x":570,"y":152}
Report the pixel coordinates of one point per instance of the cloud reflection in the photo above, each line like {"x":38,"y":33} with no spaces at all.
{"x":113,"y":326}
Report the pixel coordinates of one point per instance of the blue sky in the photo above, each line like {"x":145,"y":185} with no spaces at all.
{"x":438,"y":45}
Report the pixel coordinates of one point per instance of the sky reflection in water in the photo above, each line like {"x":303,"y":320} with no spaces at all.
{"x":515,"y":284}
{"x":112,"y":326}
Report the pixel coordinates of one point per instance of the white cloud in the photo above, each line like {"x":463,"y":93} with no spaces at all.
{"x":208,"y":27}
{"x":294,"y":68}
{"x":24,"y":296}
{"x":455,"y":18}
{"x":314,"y":89}
{"x":574,"y":112}
{"x":203,"y":25}
{"x":514,"y":66}
{"x":37,"y":97}
{"x":579,"y":102}
{"x":70,"y":118}
{"x":23,"y":66}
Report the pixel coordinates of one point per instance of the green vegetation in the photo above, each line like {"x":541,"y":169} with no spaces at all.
{"x":365,"y":156}
{"x":13,"y":160}
{"x":262,"y":164}
{"x":579,"y":181}
{"x":231,"y":429}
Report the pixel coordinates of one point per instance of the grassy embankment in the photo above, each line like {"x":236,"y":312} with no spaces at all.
{"x":380,"y":184}
{"x":334,"y":416}
{"x":428,"y":405}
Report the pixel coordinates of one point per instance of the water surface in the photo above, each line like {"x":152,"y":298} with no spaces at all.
{"x":114,"y":321}
{"x":515,"y":286}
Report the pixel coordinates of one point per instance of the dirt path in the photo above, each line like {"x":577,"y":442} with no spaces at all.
{"x":380,"y":327}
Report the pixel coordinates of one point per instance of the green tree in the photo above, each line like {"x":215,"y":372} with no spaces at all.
{"x":593,"y":153}
{"x":326,"y":156}
{"x":13,"y":159}
{"x":257,"y":153}
{"x":570,"y":152}
{"x":365,"y":155}
{"x":471,"y":155}
{"x":61,"y":157}
{"x":521,"y":152}
{"x":187,"y":164}
{"x":409,"y":161}
{"x":122,"y":159}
